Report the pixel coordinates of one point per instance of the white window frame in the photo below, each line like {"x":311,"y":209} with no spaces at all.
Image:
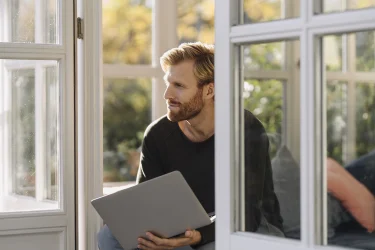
{"x":40,"y":95}
{"x":60,"y":221}
{"x":308,"y":29}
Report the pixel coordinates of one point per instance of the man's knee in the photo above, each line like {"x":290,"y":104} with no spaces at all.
{"x":103,"y":237}
{"x":106,"y":240}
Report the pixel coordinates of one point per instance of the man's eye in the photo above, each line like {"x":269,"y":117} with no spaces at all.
{"x":178,"y":85}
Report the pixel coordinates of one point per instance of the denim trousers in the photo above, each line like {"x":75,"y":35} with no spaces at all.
{"x":106,"y":241}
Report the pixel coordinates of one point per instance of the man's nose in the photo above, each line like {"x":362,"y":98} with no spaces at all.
{"x":168,"y":93}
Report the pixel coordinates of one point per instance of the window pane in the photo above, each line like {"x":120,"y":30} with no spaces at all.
{"x":30,"y":21}
{"x":365,"y":50}
{"x":126,"y":114}
{"x":267,"y":56}
{"x":333,"y":52}
{"x":30,"y":162}
{"x":127,"y":31}
{"x":350,"y":155}
{"x":337,"y":109}
{"x":327,"y":6}
{"x":269,"y":181}
{"x":255,"y":11}
{"x":264,"y":98}
{"x":23,"y":132}
{"x":365,"y":118}
{"x":196,"y":21}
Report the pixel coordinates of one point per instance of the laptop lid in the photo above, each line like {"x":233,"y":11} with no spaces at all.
{"x":165,"y":205}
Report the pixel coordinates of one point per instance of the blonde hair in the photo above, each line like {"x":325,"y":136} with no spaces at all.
{"x":202,"y":55}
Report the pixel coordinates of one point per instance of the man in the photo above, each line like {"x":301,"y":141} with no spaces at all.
{"x":184,"y":140}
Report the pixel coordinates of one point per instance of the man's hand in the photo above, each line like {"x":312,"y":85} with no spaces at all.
{"x":191,"y":237}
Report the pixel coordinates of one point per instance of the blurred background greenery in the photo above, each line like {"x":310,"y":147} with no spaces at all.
{"x":127,"y":36}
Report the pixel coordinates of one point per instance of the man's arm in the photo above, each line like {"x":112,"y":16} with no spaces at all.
{"x":259,"y":189}
{"x":150,"y":164}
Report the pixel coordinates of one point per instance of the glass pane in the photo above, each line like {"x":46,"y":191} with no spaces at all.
{"x":270,"y":185}
{"x":328,"y":6}
{"x":127,"y":31}
{"x":255,"y":11}
{"x":30,"y":160}
{"x":267,"y":56}
{"x":365,"y":51}
{"x":350,"y":161}
{"x":126,"y":114}
{"x":365,"y":118}
{"x":30,"y":21}
{"x":337,"y":115}
{"x":264,"y":98}
{"x":196,"y":21}
{"x":333,"y":52}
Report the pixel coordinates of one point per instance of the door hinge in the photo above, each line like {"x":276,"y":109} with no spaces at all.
{"x":79,"y":28}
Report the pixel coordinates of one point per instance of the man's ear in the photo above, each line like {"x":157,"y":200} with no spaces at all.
{"x":209,"y":90}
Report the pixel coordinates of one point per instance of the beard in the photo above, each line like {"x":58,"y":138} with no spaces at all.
{"x":187,"y":110}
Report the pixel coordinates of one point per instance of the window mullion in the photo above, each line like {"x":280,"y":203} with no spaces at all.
{"x":40,"y":11}
{"x":3,"y":135}
{"x":164,"y":37}
{"x":40,"y":133}
{"x":351,"y":105}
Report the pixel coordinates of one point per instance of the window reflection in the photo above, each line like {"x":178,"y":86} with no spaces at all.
{"x":328,"y":6}
{"x":30,"y":141}
{"x":126,"y":114}
{"x":351,"y":143}
{"x":127,"y":31}
{"x":196,"y":21}
{"x":255,"y":11}
{"x":271,"y":185}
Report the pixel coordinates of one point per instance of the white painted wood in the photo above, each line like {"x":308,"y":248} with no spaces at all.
{"x":307,"y":28}
{"x":224,"y":157}
{"x":269,"y":74}
{"x":89,"y":115}
{"x":266,"y":37}
{"x":40,"y":49}
{"x":276,"y":29}
{"x":164,"y":36}
{"x":131,"y":71}
{"x":40,"y":134}
{"x":58,"y":218}
{"x":351,"y":107}
{"x":342,"y":19}
{"x":40,"y":239}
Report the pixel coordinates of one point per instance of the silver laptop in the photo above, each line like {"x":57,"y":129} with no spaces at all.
{"x":165,"y":205}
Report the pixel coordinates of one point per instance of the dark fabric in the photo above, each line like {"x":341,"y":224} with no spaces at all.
{"x":165,"y":148}
{"x":363,"y":169}
{"x":354,"y":239}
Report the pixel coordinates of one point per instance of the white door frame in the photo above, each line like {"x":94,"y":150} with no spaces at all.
{"x":307,"y":28}
{"x":57,"y":225}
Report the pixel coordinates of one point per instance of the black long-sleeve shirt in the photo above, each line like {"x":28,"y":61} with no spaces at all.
{"x":165,"y":149}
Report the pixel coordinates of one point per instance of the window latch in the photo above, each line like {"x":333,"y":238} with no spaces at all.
{"x":79,"y":28}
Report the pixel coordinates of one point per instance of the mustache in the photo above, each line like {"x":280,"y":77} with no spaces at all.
{"x":173,"y":102}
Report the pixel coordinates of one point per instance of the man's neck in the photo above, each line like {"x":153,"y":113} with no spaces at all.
{"x":201,"y":127}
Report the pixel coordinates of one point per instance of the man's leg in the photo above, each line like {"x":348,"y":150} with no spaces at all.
{"x":209,"y":246}
{"x":106,"y":240}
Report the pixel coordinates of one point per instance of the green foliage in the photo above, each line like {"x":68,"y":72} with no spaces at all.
{"x":126,"y":114}
{"x":264,"y":99}
{"x":365,"y":118}
{"x":23,"y":129}
{"x":336,"y":120}
{"x":127,"y":32}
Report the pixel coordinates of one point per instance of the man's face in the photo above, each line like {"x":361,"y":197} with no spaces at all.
{"x":184,"y":98}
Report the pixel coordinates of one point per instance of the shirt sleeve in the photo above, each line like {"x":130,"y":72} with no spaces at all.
{"x":150,"y":164}
{"x":207,"y":234}
{"x":259,"y":188}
